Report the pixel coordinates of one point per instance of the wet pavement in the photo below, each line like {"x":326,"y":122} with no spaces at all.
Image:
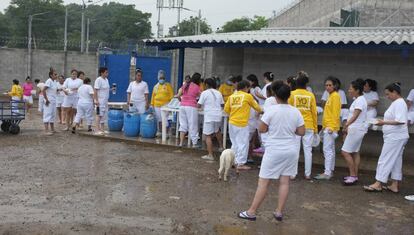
{"x":70,"y":184}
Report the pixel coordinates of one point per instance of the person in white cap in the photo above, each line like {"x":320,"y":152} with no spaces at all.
{"x":138,"y":94}
{"x":161,"y":95}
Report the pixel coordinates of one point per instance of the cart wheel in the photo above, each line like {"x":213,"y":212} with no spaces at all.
{"x":14,"y":129}
{"x":5,"y":126}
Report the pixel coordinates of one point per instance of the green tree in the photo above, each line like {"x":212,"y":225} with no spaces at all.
{"x":244,"y":24}
{"x":188,"y":27}
{"x":4,"y":25}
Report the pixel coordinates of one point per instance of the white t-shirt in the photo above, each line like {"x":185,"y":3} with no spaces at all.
{"x":102,"y":85}
{"x":264,"y":91}
{"x":40,"y":85}
{"x":371,"y":96}
{"x":85,"y":93}
{"x":60,"y":93}
{"x":361,"y":104}
{"x":410,"y":97}
{"x":268,"y":103}
{"x":51,"y":90}
{"x":282,"y":120}
{"x":396,"y":112}
{"x":72,"y":84}
{"x":138,"y":91}
{"x":342,"y":94}
{"x":211,"y":100}
{"x":308,"y":88}
{"x":253,"y":92}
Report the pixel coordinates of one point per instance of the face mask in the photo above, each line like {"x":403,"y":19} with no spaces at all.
{"x":161,"y":81}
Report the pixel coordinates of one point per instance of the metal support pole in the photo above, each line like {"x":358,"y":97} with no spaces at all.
{"x":179,"y":19}
{"x":199,"y":23}
{"x":83,"y":29}
{"x":158,"y":22}
{"x":87,"y":35}
{"x":29,"y":47}
{"x":180,"y":67}
{"x":65,"y":40}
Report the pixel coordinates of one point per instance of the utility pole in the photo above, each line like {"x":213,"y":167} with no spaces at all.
{"x":199,"y":23}
{"x":180,"y":6}
{"x":83,"y":27}
{"x":65,"y":40}
{"x":29,"y":47}
{"x":87,"y":36}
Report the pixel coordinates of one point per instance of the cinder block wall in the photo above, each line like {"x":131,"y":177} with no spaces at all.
{"x":318,"y":13}
{"x":385,"y":66}
{"x":13,"y":65}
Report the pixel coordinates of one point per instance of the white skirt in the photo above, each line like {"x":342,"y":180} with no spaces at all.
{"x":279,"y":161}
{"x":353,"y":140}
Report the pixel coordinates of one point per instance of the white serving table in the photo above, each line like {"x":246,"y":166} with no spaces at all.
{"x":164,"y":114}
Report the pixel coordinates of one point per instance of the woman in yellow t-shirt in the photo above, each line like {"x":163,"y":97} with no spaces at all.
{"x":238,"y":107}
{"x":161,"y":95}
{"x":331,"y":123}
{"x":16,"y":94}
{"x":227,"y":89}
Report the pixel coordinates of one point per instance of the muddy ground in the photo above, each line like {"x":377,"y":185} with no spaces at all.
{"x":69,"y":184}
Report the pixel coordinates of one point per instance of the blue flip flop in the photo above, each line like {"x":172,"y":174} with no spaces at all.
{"x":246,"y":216}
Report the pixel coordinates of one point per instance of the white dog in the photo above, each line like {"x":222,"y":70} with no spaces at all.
{"x":226,"y":161}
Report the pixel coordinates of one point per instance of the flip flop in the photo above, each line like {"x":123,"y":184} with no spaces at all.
{"x":246,"y":216}
{"x":244,"y":168}
{"x":370,"y":189}
{"x":388,"y":189}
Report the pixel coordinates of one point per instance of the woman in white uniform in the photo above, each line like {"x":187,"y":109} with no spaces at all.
{"x":49,"y":109}
{"x":395,"y":129}
{"x":254,"y":117}
{"x":70,"y":100}
{"x":354,"y":130}
{"x":212,"y":102}
{"x":262,"y":95}
{"x":85,"y":105}
{"x":59,"y":98}
{"x":371,"y":95}
{"x":282,"y":123}
{"x":138,"y":94}
{"x":39,"y":93}
{"x":101,"y":96}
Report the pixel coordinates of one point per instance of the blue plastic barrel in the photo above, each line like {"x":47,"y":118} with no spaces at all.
{"x":148,"y":125}
{"x":115,"y":119}
{"x":131,"y":124}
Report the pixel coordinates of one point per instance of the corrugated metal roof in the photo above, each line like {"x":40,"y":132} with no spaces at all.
{"x":388,"y":35}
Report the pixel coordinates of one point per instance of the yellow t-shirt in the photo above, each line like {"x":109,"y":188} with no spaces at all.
{"x":238,"y":107}
{"x":16,"y":91}
{"x":332,"y":112}
{"x":226,"y":91}
{"x":305,"y":102}
{"x":161,"y":95}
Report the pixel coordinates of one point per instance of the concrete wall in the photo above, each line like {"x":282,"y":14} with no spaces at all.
{"x":13,"y":64}
{"x":385,"y":66}
{"x":318,"y":13}
{"x":227,"y":61}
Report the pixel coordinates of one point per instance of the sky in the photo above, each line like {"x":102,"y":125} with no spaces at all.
{"x":217,"y":12}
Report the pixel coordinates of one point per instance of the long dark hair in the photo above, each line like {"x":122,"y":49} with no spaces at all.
{"x":253,"y":79}
{"x":196,"y":79}
{"x":335,"y":82}
{"x":210,"y":83}
{"x":269,"y":76}
{"x":358,"y":85}
{"x":372,"y":84}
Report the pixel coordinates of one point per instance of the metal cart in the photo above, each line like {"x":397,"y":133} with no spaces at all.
{"x":11,"y":114}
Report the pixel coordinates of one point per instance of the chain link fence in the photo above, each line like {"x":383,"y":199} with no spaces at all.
{"x":129,"y":47}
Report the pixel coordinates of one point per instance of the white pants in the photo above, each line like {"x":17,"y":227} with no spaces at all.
{"x":390,"y":160}
{"x":40,"y":104}
{"x":329,"y":151}
{"x":49,"y":113}
{"x":84,"y":111}
{"x":307,"y":140}
{"x":138,"y":107}
{"x":189,"y":122}
{"x":411,"y":118}
{"x":239,"y":137}
{"x":157,"y":111}
{"x":353,"y":140}
{"x":103,"y":111}
{"x":15,"y":104}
